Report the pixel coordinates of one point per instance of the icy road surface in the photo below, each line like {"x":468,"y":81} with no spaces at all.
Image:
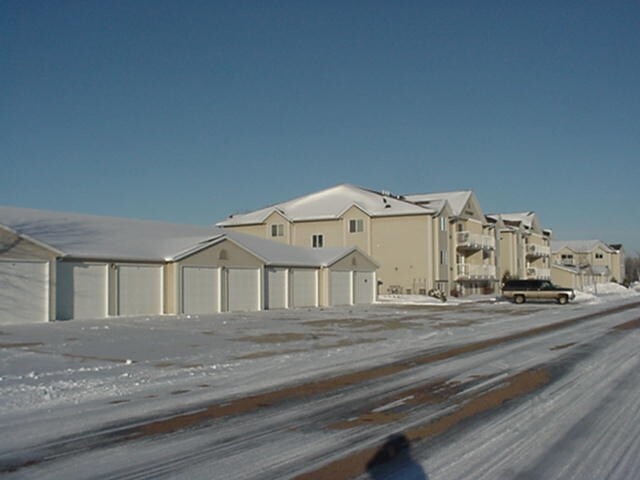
{"x":479,"y":390}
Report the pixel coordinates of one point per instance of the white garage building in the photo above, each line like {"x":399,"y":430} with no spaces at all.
{"x":59,"y":266}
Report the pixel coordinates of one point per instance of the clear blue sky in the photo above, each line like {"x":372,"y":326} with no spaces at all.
{"x":187,"y":111}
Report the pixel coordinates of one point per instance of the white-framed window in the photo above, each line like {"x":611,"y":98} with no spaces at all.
{"x":277,"y":230}
{"x":443,"y":257}
{"x":599,"y":255}
{"x":356,"y":225}
{"x":443,"y":224}
{"x":317,"y":240}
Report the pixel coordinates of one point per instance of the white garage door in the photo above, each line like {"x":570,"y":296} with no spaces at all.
{"x":340,"y":288}
{"x":276,"y":288}
{"x":82,"y":290}
{"x":24,"y":292}
{"x":363,"y":287}
{"x":304,"y":288}
{"x":139,"y":289}
{"x":243,"y":289}
{"x":200,"y":290}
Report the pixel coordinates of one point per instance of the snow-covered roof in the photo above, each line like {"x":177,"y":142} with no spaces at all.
{"x":579,"y":246}
{"x":526,"y":219}
{"x":457,"y":200}
{"x":96,"y":237}
{"x":280,"y":254}
{"x":330,"y":204}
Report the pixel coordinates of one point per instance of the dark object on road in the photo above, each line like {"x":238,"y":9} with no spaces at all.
{"x":393,"y":461}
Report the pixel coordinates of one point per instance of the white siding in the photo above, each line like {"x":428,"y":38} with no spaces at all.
{"x":82,"y":290}
{"x":304,"y":286}
{"x":340,"y":288}
{"x":24,"y":292}
{"x":139,"y":289}
{"x":243,"y":289}
{"x":276,"y":286}
{"x":364,"y":287}
{"x":200,"y":290}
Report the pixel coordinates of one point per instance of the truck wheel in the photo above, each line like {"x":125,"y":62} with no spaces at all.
{"x":562,"y":299}
{"x":518,"y":299}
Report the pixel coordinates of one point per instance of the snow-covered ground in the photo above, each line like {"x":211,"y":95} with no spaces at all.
{"x":64,"y":378}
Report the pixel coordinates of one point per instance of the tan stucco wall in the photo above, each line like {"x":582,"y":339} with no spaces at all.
{"x":563,"y":278}
{"x":171,"y":300}
{"x":354,"y":261}
{"x":362,"y":240}
{"x":235,"y":257}
{"x":277,"y":219}
{"x":256,"y":230}
{"x":330,"y":229}
{"x":14,"y":247}
{"x":403,"y":248}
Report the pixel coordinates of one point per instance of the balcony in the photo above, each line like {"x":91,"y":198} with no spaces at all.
{"x":538,"y":251}
{"x":475,"y":272}
{"x":475,"y":241}
{"x":539,"y":273}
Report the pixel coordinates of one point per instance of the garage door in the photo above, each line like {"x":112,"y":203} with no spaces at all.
{"x":276,"y":288}
{"x":304,"y":288}
{"x":139,"y":289}
{"x":24,"y":288}
{"x":340,"y":288}
{"x":200,"y":290}
{"x":82,"y":290}
{"x":243,"y":289}
{"x":363,"y":287}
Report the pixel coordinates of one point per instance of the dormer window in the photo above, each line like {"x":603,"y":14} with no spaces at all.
{"x":277,"y":230}
{"x":356,"y":226}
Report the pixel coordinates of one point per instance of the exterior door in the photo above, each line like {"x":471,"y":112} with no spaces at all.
{"x":276,"y":286}
{"x":340,"y":288}
{"x":83,"y":290}
{"x":24,"y":292}
{"x":304,"y":286}
{"x":363,"y":287}
{"x":243,"y":289}
{"x":200,"y":290}
{"x":139,"y":289}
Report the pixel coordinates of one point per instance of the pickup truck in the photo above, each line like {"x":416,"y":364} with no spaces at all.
{"x":522,"y":290}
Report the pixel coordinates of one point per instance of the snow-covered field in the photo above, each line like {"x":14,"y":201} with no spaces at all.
{"x":65,"y":378}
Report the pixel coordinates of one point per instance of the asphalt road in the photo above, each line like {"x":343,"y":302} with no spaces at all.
{"x":397,"y":420}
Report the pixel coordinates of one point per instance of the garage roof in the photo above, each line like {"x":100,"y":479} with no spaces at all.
{"x":93,"y":237}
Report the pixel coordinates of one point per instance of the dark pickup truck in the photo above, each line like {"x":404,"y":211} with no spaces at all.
{"x":522,"y":290}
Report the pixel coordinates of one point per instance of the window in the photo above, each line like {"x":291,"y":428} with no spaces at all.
{"x":443,"y":224}
{"x":277,"y":230}
{"x":356,"y":226}
{"x":599,"y":255}
{"x":317,"y":241}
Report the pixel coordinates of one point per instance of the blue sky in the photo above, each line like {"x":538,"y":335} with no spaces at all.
{"x":187,"y":111}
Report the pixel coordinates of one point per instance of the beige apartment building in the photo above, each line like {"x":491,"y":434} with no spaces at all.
{"x":523,"y":246}
{"x":470,"y":246}
{"x":408,"y":241}
{"x":584,"y":263}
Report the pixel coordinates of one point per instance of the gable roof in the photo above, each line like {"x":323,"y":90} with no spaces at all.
{"x":457,"y":200}
{"x":93,"y":237}
{"x":579,"y":246}
{"x":331,"y":204}
{"x":528,"y":220}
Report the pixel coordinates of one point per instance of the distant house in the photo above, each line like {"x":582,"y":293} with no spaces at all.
{"x":581,"y":263}
{"x":58,"y":266}
{"x":524,"y":249}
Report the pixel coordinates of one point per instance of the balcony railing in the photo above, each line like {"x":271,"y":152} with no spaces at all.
{"x":538,"y":250}
{"x":469,"y":271}
{"x":538,"y":273}
{"x":475,"y":241}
